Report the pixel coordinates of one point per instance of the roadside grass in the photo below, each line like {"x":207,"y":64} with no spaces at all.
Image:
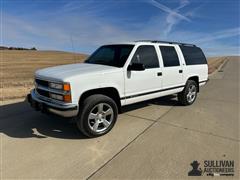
{"x":214,"y":63}
{"x":18,"y":67}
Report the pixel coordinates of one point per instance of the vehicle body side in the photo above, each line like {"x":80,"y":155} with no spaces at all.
{"x":156,"y":87}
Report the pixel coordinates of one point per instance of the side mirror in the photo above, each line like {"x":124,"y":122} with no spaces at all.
{"x":136,"y":67}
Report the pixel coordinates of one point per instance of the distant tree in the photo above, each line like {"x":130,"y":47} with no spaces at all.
{"x":3,"y":47}
{"x":17,"y":48}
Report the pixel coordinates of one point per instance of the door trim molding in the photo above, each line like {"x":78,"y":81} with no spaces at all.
{"x":156,"y":91}
{"x":151,"y":92}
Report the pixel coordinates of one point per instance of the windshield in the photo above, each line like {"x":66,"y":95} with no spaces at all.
{"x":111,"y":55}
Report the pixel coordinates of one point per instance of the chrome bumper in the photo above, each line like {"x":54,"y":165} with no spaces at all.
{"x":43,"y":104}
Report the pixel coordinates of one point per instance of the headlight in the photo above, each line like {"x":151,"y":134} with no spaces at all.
{"x":59,"y":86}
{"x":55,"y":85}
{"x":65,"y":98}
{"x":56,"y":96}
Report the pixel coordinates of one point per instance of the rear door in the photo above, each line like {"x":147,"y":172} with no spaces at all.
{"x":172,"y":71}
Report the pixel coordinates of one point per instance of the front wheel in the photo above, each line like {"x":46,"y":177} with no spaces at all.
{"x":189,"y":93}
{"x":97,"y":115}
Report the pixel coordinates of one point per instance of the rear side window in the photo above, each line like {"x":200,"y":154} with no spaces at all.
{"x":193,"y":55}
{"x":146,"y":55}
{"x":169,"y":55}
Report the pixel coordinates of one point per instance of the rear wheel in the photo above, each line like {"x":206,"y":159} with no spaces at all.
{"x":97,"y":115}
{"x":189,"y":93}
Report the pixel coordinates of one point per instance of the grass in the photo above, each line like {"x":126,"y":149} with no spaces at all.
{"x":214,"y":63}
{"x":18,"y":67}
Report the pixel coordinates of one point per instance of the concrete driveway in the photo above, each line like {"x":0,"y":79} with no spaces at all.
{"x":157,"y":139}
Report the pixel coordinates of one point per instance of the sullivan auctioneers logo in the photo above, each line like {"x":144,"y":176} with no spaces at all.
{"x":212,"y":168}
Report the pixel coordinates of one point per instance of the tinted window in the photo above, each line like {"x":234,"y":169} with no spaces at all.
{"x":193,"y":55}
{"x":169,"y":55}
{"x":147,"y":56}
{"x":111,"y":55}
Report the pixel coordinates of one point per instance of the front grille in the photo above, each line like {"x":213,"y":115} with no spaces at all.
{"x":42,"y":88}
{"x":42,"y":82}
{"x":43,"y":92}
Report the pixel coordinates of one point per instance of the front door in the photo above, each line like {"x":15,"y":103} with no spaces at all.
{"x":141,"y":83}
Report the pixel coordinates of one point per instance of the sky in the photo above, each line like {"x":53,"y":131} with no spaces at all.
{"x":83,"y":25}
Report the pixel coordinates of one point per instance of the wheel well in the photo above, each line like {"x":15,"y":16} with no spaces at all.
{"x":196,"y":79}
{"x":110,"y":92}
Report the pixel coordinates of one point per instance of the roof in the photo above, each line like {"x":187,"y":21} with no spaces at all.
{"x":166,"y":42}
{"x":155,"y":41}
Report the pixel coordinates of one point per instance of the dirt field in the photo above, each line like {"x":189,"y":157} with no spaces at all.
{"x":215,"y":62}
{"x":18,"y":67}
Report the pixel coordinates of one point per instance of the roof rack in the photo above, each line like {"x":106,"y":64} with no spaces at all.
{"x":167,"y":42}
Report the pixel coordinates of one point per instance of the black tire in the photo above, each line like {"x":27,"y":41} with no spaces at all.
{"x":87,"y":107}
{"x":183,"y":96}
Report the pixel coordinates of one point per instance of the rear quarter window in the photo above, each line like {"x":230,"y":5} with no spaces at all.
{"x":193,"y":55}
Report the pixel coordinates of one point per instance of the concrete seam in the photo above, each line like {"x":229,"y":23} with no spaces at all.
{"x":202,"y":132}
{"x":120,"y":151}
{"x":153,"y":122}
{"x":218,"y":100}
{"x":140,"y":117}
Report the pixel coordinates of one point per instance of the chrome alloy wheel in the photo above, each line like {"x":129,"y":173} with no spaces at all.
{"x":100,"y":117}
{"x":192,"y":92}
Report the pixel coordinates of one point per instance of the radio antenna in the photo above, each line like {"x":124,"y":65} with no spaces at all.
{"x":73,"y":50}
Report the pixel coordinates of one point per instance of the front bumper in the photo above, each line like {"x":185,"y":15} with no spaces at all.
{"x":47,"y":105}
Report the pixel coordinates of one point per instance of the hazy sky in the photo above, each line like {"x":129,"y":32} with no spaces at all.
{"x":51,"y":24}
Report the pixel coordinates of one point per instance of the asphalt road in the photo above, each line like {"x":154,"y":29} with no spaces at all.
{"x":157,"y":139}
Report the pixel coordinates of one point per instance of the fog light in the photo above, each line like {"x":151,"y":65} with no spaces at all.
{"x":56,"y":96}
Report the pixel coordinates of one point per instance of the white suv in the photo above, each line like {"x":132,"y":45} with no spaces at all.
{"x":116,"y":75}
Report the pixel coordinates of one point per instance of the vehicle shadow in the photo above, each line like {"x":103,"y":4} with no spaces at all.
{"x":19,"y":120}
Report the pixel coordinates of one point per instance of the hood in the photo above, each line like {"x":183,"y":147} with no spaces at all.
{"x":64,"y":72}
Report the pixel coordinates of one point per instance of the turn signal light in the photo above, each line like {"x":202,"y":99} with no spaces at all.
{"x":66,"y":87}
{"x":67,"y":98}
